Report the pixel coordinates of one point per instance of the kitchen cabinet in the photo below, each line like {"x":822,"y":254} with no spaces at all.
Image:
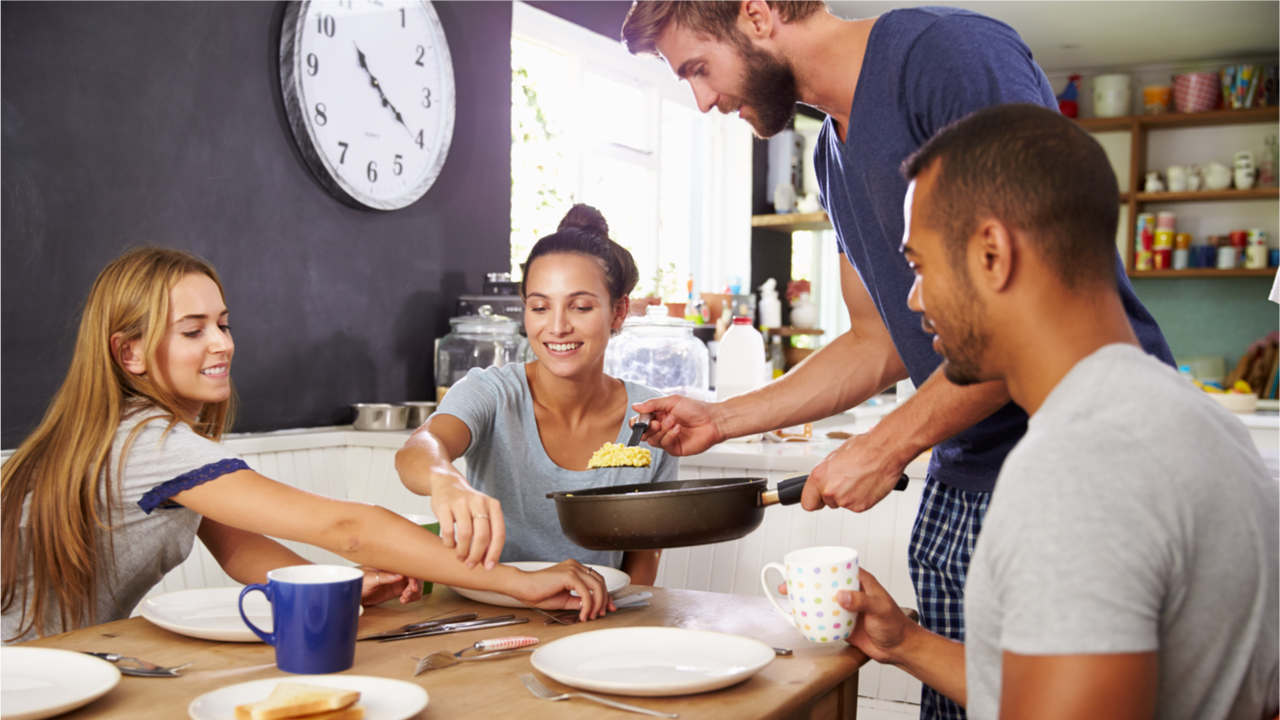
{"x":1140,"y":129}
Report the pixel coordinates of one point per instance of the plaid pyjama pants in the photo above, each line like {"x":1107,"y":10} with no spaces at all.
{"x":942,"y":543}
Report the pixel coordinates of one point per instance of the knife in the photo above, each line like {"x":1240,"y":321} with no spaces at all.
{"x":411,"y":627}
{"x":460,"y":627}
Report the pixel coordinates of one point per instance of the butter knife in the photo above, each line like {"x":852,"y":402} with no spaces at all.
{"x":425,"y":625}
{"x":460,"y":627}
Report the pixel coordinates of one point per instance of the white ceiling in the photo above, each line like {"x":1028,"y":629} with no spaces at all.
{"x":1082,"y":35}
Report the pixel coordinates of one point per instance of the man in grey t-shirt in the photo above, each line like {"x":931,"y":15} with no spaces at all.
{"x":1130,"y":560}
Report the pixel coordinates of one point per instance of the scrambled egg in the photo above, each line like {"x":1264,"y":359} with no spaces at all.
{"x":614,"y":455}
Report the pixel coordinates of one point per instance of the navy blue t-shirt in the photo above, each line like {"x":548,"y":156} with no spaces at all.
{"x":924,"y":69}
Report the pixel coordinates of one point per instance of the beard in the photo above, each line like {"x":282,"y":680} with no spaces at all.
{"x":769,"y":90}
{"x":962,"y":354}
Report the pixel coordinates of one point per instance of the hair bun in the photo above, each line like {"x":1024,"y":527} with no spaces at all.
{"x":585,"y":217}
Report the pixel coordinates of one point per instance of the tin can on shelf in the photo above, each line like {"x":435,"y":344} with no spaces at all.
{"x":1182,"y":241}
{"x":1144,"y":241}
{"x":1166,"y":220}
{"x":1255,"y":254}
{"x":1227,"y":257}
{"x":1181,"y":258}
{"x":1164,"y":239}
{"x":1163,"y":258}
{"x":1238,"y":238}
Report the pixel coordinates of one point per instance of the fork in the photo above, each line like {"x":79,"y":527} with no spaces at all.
{"x":144,"y":669}
{"x":545,"y":693}
{"x":502,"y":646}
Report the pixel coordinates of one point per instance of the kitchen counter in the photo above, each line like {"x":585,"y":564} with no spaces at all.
{"x":798,"y":457}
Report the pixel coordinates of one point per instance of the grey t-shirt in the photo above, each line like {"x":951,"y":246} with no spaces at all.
{"x":152,"y":534}
{"x":506,"y":461}
{"x":1135,"y":516}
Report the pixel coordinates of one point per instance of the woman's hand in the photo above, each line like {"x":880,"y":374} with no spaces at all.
{"x":470,"y":522}
{"x":549,"y":589}
{"x":380,"y":586}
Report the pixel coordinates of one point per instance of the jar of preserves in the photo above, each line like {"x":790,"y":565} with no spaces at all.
{"x":660,"y":352}
{"x":476,"y":341}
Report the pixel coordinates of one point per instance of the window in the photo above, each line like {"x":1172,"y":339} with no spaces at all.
{"x":591,"y":123}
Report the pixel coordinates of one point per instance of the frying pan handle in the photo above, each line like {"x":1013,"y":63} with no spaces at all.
{"x":788,"y":491}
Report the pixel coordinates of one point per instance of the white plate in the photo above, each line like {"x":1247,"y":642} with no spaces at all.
{"x":209,"y":613}
{"x":383,"y":699}
{"x":43,"y":682}
{"x":652,"y":661}
{"x":614,"y":580}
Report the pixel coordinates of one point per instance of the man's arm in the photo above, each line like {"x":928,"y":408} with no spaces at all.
{"x":862,"y":471}
{"x":1059,"y":687}
{"x":847,"y":371}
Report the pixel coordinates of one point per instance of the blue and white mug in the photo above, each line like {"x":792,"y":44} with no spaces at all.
{"x":314,"y":611}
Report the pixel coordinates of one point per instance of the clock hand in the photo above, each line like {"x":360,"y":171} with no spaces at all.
{"x":378,"y":86}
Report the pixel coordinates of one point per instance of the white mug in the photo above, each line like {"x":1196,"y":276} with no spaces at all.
{"x":814,"y":576}
{"x":1244,"y":177}
{"x":1176,"y":176}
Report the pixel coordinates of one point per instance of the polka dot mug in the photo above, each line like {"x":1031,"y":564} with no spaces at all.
{"x":814,"y":576}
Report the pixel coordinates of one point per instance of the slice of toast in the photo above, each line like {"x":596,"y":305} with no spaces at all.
{"x":293,"y":700}
{"x":350,"y":712}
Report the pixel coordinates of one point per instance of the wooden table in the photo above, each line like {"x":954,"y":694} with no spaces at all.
{"x":816,"y":683}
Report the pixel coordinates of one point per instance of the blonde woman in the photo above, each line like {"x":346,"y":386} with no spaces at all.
{"x":529,"y":429}
{"x":125,"y":470}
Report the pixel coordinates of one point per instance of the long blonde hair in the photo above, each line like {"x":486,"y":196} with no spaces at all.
{"x":64,"y":467}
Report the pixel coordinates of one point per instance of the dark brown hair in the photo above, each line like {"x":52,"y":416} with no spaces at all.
{"x":584,"y":231}
{"x":648,"y":19}
{"x":1035,"y":171}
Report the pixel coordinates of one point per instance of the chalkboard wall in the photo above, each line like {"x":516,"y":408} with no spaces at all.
{"x":128,"y":124}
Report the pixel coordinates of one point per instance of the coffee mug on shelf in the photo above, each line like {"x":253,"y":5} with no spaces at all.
{"x":314,"y":613}
{"x":1176,"y":177}
{"x":814,"y":576}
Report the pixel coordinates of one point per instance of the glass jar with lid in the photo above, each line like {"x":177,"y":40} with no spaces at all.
{"x":476,"y":341}
{"x":660,"y":352}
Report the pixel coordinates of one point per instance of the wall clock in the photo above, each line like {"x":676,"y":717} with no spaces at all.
{"x":369,"y":94}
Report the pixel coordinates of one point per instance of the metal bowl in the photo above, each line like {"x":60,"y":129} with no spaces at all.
{"x":381,"y":416}
{"x":420,"y":411}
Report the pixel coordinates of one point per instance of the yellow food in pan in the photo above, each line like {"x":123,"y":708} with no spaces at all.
{"x":614,"y":455}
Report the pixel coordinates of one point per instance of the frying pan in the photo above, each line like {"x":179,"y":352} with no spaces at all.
{"x":677,"y":513}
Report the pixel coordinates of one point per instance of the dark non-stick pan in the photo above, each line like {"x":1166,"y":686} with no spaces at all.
{"x":678,"y":513}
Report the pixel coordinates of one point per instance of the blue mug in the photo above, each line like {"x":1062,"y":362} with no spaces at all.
{"x":314,"y":612}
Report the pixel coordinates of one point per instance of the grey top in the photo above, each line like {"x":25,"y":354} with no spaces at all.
{"x":151,"y":534}
{"x":1135,"y":516}
{"x":506,"y":461}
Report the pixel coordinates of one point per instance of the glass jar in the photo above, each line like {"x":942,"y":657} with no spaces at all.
{"x":660,"y":352}
{"x":476,"y":341}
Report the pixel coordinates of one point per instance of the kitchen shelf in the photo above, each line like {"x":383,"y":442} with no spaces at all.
{"x":1213,"y":118}
{"x":1270,"y":193}
{"x":792,"y":222}
{"x":1201,"y":273}
{"x":1139,"y":127}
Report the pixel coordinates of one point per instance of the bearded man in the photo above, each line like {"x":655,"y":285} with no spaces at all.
{"x":887,"y":84}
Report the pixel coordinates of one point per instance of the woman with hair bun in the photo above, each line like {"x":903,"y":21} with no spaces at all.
{"x":526,"y":430}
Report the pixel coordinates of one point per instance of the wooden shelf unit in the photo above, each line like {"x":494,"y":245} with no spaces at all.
{"x":1139,"y":128}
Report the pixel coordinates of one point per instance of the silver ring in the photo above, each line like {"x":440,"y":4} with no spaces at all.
{"x":592,"y":571}
{"x":480,"y":515}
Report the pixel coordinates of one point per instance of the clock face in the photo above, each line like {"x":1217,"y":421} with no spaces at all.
{"x":368,"y":89}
